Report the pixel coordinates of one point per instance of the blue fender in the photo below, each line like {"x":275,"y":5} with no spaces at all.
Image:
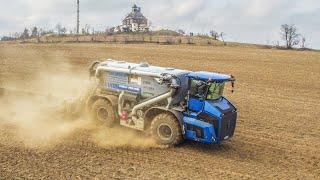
{"x":200,"y":131}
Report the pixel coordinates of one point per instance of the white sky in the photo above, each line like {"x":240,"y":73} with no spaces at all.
{"x":252,"y":21}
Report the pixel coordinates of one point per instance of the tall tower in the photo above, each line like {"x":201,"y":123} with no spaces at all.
{"x":134,"y":8}
{"x":78,"y":20}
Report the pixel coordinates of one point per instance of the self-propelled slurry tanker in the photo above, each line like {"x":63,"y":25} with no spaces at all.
{"x":172,"y":104}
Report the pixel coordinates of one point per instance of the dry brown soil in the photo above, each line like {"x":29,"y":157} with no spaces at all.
{"x":277,"y":134}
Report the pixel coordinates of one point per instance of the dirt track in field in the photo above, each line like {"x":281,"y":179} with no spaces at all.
{"x":277,"y":135}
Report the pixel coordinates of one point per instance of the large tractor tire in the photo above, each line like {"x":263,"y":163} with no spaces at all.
{"x":165,"y":129}
{"x":103,"y":112}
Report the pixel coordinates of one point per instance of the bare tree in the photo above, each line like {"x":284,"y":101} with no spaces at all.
{"x":303,"y":42}
{"x":63,"y":30}
{"x":25,"y":34}
{"x":40,"y":32}
{"x":93,"y":32}
{"x":276,"y":44}
{"x":16,"y":35}
{"x":222,"y":35}
{"x":43,"y":32}
{"x":110,"y":30}
{"x":289,"y":33}
{"x":86,"y":29}
{"x":34,"y":32}
{"x":83,"y":31}
{"x":180,"y":31}
{"x":59,"y":28}
{"x":214,"y":34}
{"x":7,"y":38}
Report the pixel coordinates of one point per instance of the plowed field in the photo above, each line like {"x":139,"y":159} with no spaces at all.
{"x":277,"y":135}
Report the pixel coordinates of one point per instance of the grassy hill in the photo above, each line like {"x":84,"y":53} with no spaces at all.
{"x":167,"y":37}
{"x":157,"y":37}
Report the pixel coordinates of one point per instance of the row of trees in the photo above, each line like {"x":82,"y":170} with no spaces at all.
{"x":27,"y":33}
{"x":289,"y":34}
{"x":36,"y":32}
{"x":213,"y":34}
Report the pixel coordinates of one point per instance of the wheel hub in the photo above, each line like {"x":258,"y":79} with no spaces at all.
{"x":165,"y":131}
{"x":102,"y":114}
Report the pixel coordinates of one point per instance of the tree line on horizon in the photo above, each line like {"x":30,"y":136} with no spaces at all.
{"x":288,"y":33}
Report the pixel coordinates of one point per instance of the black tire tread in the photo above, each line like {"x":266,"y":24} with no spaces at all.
{"x":111,"y":113}
{"x":173,"y":122}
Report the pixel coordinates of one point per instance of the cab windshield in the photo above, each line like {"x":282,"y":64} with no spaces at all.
{"x":206,"y":90}
{"x":215,"y":90}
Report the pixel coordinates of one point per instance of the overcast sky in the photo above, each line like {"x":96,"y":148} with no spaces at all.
{"x":253,"y":21}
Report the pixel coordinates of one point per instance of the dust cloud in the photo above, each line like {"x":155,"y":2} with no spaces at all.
{"x":34,"y":110}
{"x":122,"y":137}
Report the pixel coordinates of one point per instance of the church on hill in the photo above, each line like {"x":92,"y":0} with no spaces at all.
{"x":135,"y":21}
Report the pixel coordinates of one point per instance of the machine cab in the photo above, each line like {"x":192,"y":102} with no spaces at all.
{"x":210,"y":117}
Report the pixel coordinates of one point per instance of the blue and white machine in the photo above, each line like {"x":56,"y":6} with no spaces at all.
{"x":172,"y":104}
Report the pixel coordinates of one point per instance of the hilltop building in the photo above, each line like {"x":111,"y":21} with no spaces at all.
{"x":134,"y":22}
